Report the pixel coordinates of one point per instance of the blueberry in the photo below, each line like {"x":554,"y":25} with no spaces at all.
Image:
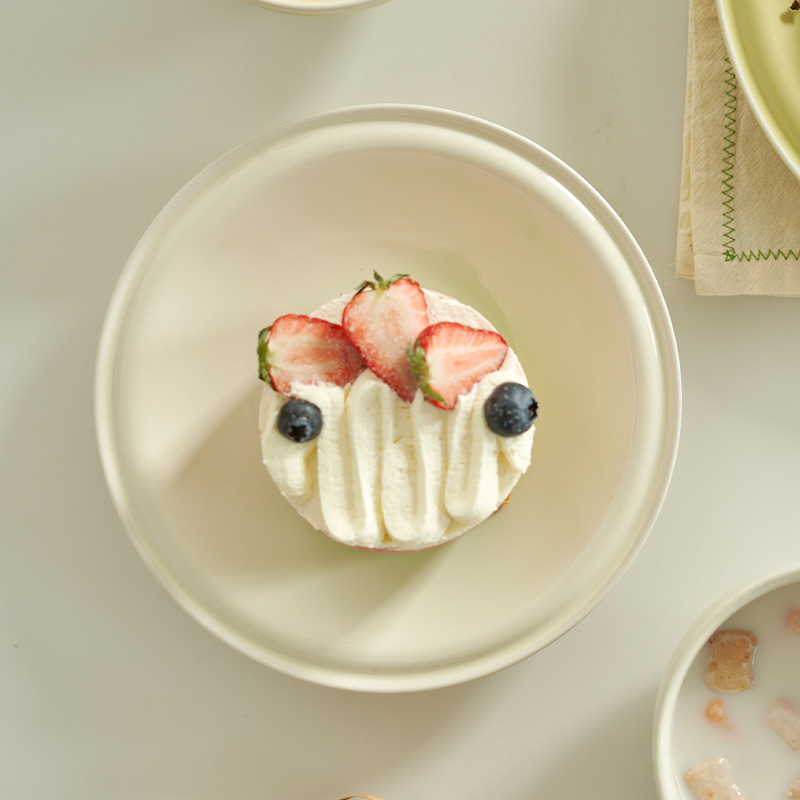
{"x":510,"y":409}
{"x":299,"y":420}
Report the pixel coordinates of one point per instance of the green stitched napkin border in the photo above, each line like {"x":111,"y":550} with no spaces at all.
{"x":728,"y":206}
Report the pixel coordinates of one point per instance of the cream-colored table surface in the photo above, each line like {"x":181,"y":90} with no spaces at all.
{"x":108,"y":691}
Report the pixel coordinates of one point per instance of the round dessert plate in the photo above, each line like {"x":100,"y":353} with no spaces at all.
{"x":292,"y":219}
{"x":763,"y":42}
{"x":315,"y":7}
{"x":761,"y":764}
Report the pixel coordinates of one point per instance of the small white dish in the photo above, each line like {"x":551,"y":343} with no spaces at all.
{"x":316,"y":7}
{"x":293,"y":218}
{"x":761,"y":763}
{"x":762,"y":43}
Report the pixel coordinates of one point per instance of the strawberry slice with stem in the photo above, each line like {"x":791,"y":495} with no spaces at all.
{"x":449,"y":358}
{"x":301,"y":349}
{"x":383,"y":320}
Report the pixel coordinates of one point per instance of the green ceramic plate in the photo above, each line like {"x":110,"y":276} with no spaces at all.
{"x":763,"y":41}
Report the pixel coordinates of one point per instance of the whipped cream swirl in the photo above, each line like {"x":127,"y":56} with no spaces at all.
{"x":385,"y":474}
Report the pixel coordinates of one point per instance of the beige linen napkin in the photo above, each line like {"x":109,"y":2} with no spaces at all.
{"x":739,"y":225}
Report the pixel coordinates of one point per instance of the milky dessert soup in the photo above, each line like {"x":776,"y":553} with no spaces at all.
{"x":736,"y":729}
{"x":393,"y":417}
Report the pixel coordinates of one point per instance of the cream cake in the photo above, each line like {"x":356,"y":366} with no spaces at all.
{"x":393,"y":417}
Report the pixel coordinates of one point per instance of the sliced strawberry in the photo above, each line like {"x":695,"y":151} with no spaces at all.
{"x":449,"y":358}
{"x":383,"y":320}
{"x":301,"y":349}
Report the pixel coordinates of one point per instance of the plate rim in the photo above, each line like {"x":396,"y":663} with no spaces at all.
{"x":787,"y":149}
{"x":447,"y":674}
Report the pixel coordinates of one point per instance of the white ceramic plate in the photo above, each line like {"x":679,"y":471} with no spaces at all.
{"x":316,"y":6}
{"x":761,"y":764}
{"x":763,"y":42}
{"x":290,"y":220}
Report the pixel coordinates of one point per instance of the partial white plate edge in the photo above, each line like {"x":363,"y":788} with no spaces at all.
{"x":312,"y":8}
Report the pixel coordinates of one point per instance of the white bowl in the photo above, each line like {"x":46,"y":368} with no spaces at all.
{"x":315,"y":7}
{"x":290,"y":220}
{"x":762,"y":765}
